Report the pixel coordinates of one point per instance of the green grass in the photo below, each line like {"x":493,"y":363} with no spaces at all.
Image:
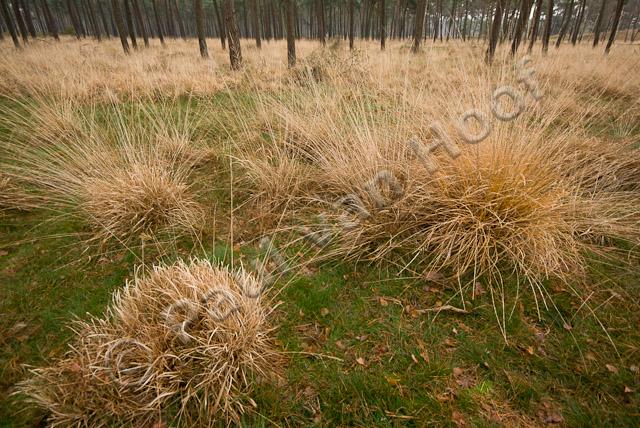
{"x":358,"y":352}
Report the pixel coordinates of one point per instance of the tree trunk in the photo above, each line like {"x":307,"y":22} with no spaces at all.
{"x":576,"y":30}
{"x":139,"y":21}
{"x":255,"y":19}
{"x":158,"y":22}
{"x":51,"y":23}
{"x":565,"y":22}
{"x":505,"y":20}
{"x":452,"y":18}
{"x":536,"y":23}
{"x":495,"y":32}
{"x":320,"y":18}
{"x":221,"y":26}
{"x":235,"y":52}
{"x":9,"y":21}
{"x":21,"y":25}
{"x":103,"y":18}
{"x":596,"y":29}
{"x":183,"y":35}
{"x":291,"y":39}
{"x":202,"y":41}
{"x":94,"y":20}
{"x":130,"y":27}
{"x":614,"y":25}
{"x":464,"y":25}
{"x":417,"y":27}
{"x":525,"y":7}
{"x":122,"y":32}
{"x":351,"y":29}
{"x":27,"y":18}
{"x":547,"y":27}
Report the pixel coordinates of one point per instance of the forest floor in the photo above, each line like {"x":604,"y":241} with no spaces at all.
{"x":362,"y":347}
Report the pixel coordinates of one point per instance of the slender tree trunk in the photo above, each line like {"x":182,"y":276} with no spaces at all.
{"x":235,"y":52}
{"x":452,"y":18}
{"x":139,"y":21}
{"x":505,"y":20}
{"x":436,"y":22}
{"x":383,"y":24}
{"x":351,"y":29}
{"x":255,"y":18}
{"x":180,"y":22}
{"x":320,"y":18}
{"x":51,"y":22}
{"x":21,"y":25}
{"x":464,"y":25}
{"x":158,"y":22}
{"x":122,"y":32}
{"x":103,"y":18}
{"x":75,"y":18}
{"x":565,"y":23}
{"x":9,"y":21}
{"x":94,"y":20}
{"x":417,"y":28}
{"x":547,"y":27}
{"x":495,"y":32}
{"x":130,"y":27}
{"x":536,"y":23}
{"x":221,"y":26}
{"x":525,"y":7}
{"x":576,"y":30}
{"x":614,"y":25}
{"x":27,"y":18}
{"x":168,"y":13}
{"x":482,"y":18}
{"x":202,"y":41}
{"x":291,"y":39}
{"x":596,"y":29}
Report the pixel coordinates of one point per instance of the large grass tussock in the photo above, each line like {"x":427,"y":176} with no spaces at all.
{"x":189,"y":340}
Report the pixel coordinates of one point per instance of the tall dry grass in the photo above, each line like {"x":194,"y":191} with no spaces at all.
{"x":165,"y":349}
{"x":534,"y":201}
{"x":122,"y":169}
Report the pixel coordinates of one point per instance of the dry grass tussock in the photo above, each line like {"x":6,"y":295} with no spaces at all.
{"x":189,"y":340}
{"x":530,"y":200}
{"x":124,"y":170}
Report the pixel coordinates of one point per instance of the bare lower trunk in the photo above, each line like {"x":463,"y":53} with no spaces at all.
{"x":419,"y":22}
{"x":534,"y":28}
{"x":158,"y":23}
{"x":202,"y":41}
{"x":351,"y":29}
{"x":255,"y":23}
{"x":614,"y":25}
{"x":291,"y":39}
{"x":140,"y":21}
{"x":9,"y":21}
{"x":235,"y":52}
{"x":122,"y":32}
{"x":52,"y":27}
{"x":596,"y":29}
{"x":495,"y":33}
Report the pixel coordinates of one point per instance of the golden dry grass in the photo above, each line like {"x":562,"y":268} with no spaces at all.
{"x":530,"y":201}
{"x":529,"y":197}
{"x":192,"y":338}
{"x":126,"y":176}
